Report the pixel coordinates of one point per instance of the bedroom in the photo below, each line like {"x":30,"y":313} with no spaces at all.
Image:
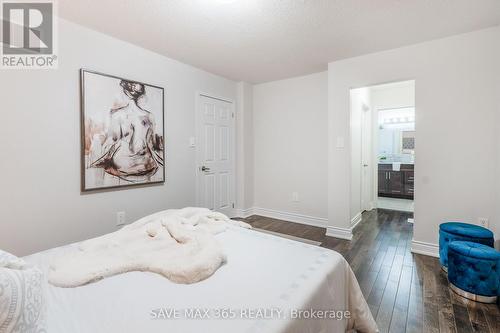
{"x":283,"y":70}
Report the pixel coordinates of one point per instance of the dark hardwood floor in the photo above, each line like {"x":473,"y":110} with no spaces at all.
{"x":406,"y":292}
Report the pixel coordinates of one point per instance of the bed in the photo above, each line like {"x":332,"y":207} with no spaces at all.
{"x":265,"y":282}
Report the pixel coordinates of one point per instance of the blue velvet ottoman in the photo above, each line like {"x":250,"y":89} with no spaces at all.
{"x":456,"y":231}
{"x":474,"y":271}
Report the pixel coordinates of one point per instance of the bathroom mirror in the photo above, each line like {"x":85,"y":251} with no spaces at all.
{"x":396,"y":141}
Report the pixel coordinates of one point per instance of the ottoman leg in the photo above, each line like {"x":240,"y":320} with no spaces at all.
{"x":473,"y":297}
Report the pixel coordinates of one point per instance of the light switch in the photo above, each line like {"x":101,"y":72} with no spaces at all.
{"x":340,"y":142}
{"x":192,"y":142}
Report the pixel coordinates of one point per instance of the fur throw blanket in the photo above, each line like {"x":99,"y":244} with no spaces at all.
{"x":178,"y":244}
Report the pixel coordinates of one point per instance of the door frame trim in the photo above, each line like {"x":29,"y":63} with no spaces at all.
{"x":366,"y":206}
{"x":197,"y":118}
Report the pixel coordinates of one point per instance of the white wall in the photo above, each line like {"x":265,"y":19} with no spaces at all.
{"x":245,"y":149}
{"x":457,"y":115}
{"x":40,"y":196}
{"x":496,"y":224}
{"x":394,"y":95}
{"x":290,"y":138}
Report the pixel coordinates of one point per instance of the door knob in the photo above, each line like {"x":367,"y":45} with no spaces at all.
{"x":204,"y":168}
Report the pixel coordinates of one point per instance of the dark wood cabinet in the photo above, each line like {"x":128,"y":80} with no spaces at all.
{"x":396,"y":184}
{"x":382,"y":182}
{"x":409,"y":183}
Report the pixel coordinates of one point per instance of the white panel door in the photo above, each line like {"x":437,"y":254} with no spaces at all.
{"x":215,"y":154}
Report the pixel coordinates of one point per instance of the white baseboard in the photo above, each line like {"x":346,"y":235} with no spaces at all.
{"x":342,"y":233}
{"x":285,"y":216}
{"x":355,"y":220}
{"x":427,"y":249}
{"x":243,"y":213}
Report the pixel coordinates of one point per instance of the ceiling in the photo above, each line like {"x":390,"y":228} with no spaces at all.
{"x":264,"y":40}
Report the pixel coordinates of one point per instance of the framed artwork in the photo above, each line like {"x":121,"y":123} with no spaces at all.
{"x":122,"y":132}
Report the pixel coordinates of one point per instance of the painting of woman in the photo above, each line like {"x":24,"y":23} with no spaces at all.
{"x":124,"y":141}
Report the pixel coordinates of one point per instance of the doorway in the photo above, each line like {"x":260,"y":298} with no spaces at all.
{"x":215,"y":154}
{"x":396,"y":158}
{"x":382,"y":147}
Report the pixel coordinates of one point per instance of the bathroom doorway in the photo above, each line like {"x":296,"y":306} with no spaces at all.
{"x":383,"y":148}
{"x":396,"y":158}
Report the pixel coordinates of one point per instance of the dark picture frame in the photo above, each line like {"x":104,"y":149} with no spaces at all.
{"x":122,"y":141}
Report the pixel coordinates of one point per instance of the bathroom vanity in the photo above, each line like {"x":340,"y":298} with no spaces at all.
{"x":396,"y":184}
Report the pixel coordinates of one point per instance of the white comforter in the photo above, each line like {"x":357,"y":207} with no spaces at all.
{"x":263,"y":272}
{"x":177,"y":243}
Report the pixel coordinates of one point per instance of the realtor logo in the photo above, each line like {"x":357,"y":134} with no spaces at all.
{"x":28,"y":35}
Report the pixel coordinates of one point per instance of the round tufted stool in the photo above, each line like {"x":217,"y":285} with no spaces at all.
{"x":474,"y":271}
{"x":456,"y":231}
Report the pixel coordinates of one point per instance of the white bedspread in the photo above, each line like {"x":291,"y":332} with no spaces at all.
{"x":264,"y":275}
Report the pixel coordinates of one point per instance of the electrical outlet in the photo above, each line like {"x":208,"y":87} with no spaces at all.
{"x":483,"y":222}
{"x":120,"y":219}
{"x":295,"y":197}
